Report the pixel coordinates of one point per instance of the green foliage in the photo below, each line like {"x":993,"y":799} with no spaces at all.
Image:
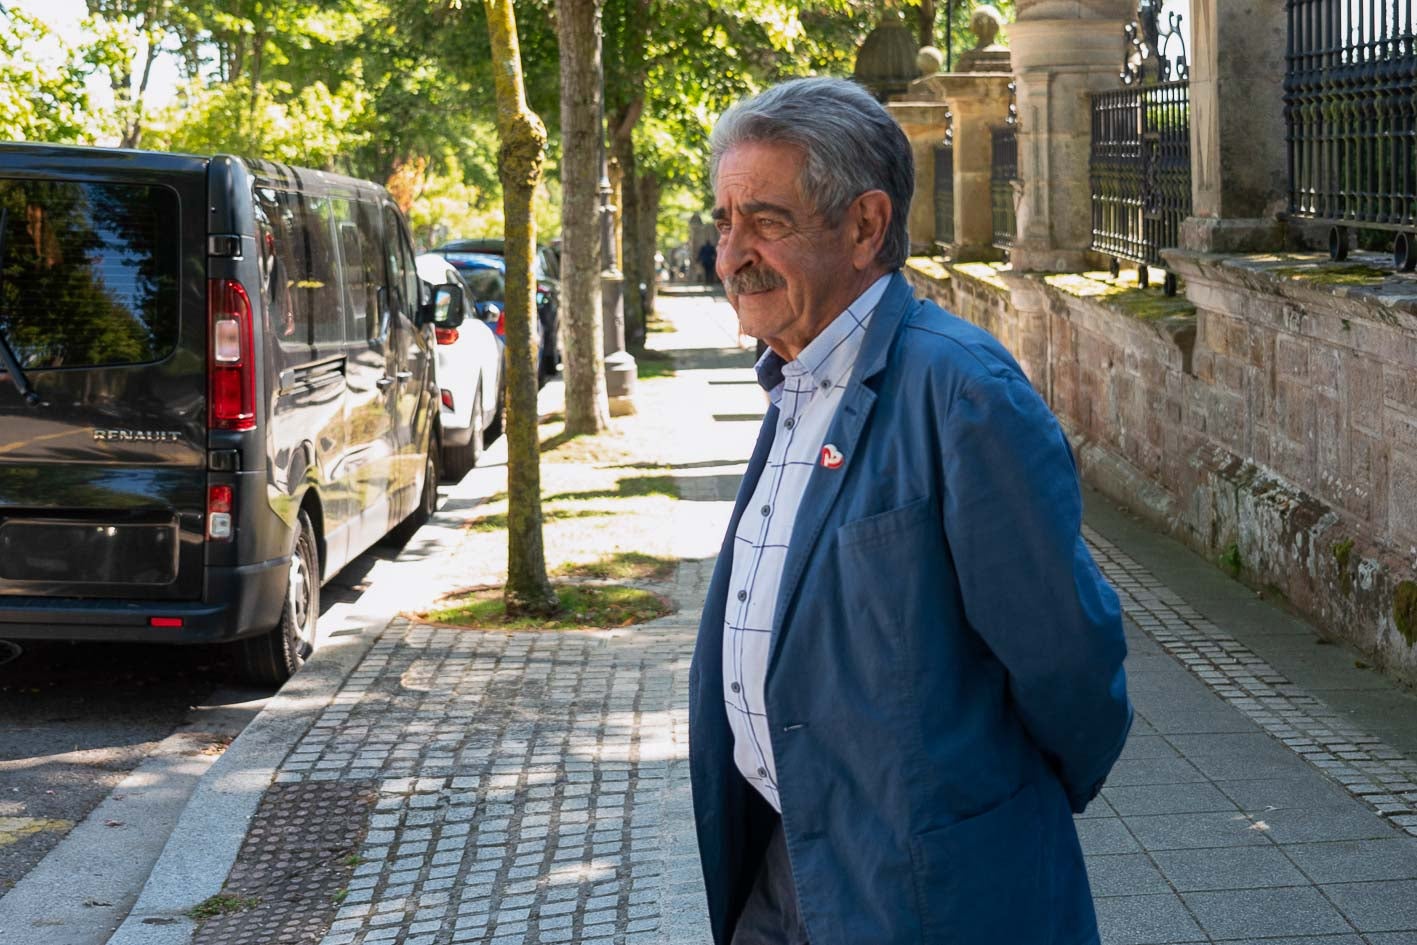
{"x":40,"y":100}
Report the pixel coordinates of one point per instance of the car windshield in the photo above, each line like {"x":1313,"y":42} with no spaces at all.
{"x":487,"y":285}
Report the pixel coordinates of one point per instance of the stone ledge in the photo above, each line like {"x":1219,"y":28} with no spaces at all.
{"x":1362,"y":286}
{"x":1172,"y":318}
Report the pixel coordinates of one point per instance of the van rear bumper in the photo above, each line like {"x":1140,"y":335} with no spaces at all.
{"x":248,"y":601}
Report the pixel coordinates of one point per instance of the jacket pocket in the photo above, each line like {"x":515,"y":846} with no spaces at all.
{"x":985,"y":879}
{"x":884,"y":526}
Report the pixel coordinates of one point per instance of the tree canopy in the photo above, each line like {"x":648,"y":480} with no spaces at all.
{"x":402,"y":91}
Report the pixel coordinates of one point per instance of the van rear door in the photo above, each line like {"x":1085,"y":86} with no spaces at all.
{"x":103,"y":301}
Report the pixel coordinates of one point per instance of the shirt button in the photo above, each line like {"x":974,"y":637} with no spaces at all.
{"x":736,"y":688}
{"x":742,"y":595}
{"x":788,"y":423}
{"x":767,"y":510}
{"x":762,"y":772}
{"x":826,"y":385}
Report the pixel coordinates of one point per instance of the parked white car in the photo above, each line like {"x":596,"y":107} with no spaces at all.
{"x":470,"y":376}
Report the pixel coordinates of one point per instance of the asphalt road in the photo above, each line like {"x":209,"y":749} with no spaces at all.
{"x":77,"y":718}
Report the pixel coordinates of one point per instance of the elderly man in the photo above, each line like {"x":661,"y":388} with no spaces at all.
{"x":909,"y":671}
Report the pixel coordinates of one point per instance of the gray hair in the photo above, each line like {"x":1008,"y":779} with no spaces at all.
{"x":850,"y":145}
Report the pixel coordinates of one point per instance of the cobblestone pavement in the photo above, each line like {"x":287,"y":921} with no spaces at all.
{"x":533,"y":787}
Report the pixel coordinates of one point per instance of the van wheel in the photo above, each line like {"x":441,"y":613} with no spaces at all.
{"x":457,"y":460}
{"x":273,"y":657}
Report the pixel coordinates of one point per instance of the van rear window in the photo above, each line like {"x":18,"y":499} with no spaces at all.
{"x":88,"y":272}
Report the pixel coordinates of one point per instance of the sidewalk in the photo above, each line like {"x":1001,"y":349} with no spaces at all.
{"x":418,"y":785}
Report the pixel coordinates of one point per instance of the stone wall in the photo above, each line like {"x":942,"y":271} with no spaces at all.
{"x":1268,"y":419}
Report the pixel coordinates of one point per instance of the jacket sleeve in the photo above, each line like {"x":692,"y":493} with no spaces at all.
{"x":1012,"y":516}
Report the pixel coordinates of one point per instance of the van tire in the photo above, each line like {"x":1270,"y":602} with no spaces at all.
{"x":273,"y":657}
{"x":457,"y":460}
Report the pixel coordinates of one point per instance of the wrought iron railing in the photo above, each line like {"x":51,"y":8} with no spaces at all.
{"x":1352,"y":118}
{"x":945,"y":185}
{"x":1003,"y":172}
{"x":1141,"y":149}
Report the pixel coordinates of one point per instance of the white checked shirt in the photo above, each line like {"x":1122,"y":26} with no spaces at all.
{"x":807,"y":392}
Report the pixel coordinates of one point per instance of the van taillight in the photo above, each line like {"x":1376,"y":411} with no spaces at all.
{"x":219,"y":513}
{"x":501,"y":324}
{"x":231,"y":361}
{"x":446,"y":336}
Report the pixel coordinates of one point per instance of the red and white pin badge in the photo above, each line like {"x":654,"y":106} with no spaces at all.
{"x":831,"y":457}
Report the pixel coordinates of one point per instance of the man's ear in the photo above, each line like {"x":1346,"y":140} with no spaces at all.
{"x":868,"y":218}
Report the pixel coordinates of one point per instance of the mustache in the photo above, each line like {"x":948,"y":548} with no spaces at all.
{"x":753,"y":279}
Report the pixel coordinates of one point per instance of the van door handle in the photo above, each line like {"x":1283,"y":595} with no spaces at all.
{"x":384,"y":382}
{"x":403,"y":376}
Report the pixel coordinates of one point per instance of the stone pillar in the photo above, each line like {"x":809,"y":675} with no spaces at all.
{"x":1239,"y":161}
{"x":979,"y":102}
{"x":1063,"y":50}
{"x":924,"y":125}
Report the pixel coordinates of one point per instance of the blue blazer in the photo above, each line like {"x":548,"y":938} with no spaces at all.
{"x":945,"y":683}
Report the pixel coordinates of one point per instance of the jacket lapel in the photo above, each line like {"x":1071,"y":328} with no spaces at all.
{"x":824,"y":485}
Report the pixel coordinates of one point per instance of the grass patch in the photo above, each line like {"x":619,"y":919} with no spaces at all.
{"x":220,"y":904}
{"x":627,"y":487}
{"x":498,"y":521}
{"x":583,"y":607}
{"x":650,"y":363}
{"x":621,"y":566}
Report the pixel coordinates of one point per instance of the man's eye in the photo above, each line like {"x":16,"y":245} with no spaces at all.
{"x":722,"y":226}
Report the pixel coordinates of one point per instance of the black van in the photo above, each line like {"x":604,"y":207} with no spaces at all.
{"x":216,"y":388}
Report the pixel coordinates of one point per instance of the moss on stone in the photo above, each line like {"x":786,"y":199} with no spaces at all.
{"x":1230,"y":560}
{"x":988,"y":273}
{"x":1122,"y":294}
{"x":930,"y":267}
{"x":1327,"y":274}
{"x":1342,"y":551}
{"x":1404,"y":610}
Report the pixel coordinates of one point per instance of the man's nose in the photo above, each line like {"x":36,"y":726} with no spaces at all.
{"x":735,"y":251}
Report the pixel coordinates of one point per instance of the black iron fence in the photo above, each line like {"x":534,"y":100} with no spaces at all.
{"x":1003,"y":172}
{"x":945,"y":185}
{"x":1352,"y":118}
{"x":1141,"y":170}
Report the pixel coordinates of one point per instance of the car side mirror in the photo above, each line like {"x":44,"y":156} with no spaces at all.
{"x":488,"y":311}
{"x":445,"y":308}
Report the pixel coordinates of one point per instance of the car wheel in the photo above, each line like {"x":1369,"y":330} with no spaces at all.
{"x":457,"y":460}
{"x":273,"y":657}
{"x":499,"y":419}
{"x":427,"y":501}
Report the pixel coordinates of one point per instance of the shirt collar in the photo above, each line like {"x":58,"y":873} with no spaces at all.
{"x":829,"y":356}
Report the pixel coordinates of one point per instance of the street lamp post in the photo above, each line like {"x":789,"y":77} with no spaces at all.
{"x":620,"y":368}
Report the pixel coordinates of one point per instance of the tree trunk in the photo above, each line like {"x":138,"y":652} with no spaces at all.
{"x":647,"y":189}
{"x":522,"y":150}
{"x":587,"y":404}
{"x":630,"y":239}
{"x":926,"y":22}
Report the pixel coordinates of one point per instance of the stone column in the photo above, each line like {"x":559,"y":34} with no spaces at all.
{"x":924,"y":126}
{"x":1063,"y":50}
{"x":1239,"y":161}
{"x":979,"y":101}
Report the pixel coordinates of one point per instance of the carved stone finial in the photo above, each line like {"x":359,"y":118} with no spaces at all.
{"x":985,"y":24}
{"x":930,"y":60}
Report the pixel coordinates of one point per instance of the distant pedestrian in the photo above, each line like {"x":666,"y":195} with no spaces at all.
{"x":908,"y":676}
{"x":708,"y":259}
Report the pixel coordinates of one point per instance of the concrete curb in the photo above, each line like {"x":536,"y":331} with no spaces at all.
{"x":203,"y":846}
